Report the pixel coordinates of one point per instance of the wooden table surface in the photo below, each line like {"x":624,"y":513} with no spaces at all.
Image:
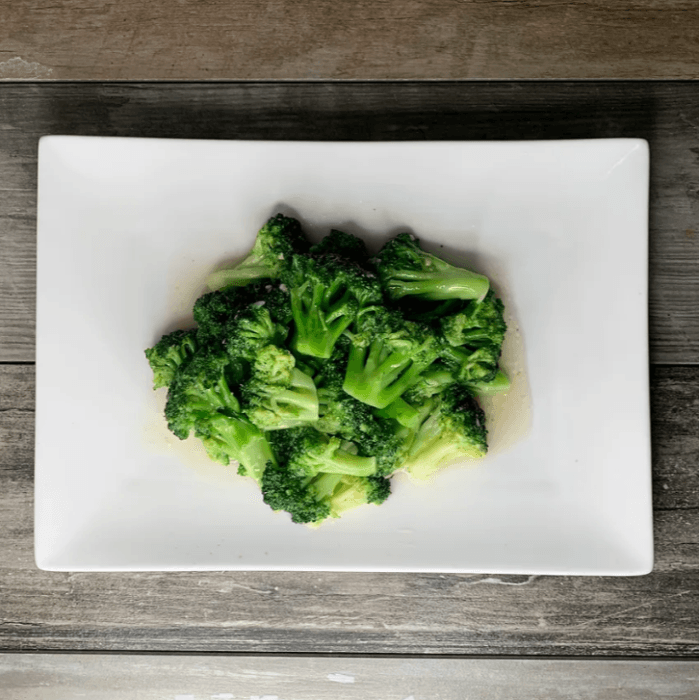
{"x":359,"y":40}
{"x":330,"y":635}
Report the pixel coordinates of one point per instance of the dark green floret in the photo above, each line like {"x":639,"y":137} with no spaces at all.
{"x":166,"y":356}
{"x":277,"y":241}
{"x":200,"y":400}
{"x":307,"y":452}
{"x":311,"y":500}
{"x":250,"y":331}
{"x":345,"y":245}
{"x":407,"y":270}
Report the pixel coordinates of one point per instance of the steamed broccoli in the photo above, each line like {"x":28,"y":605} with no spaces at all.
{"x":343,"y":244}
{"x":279,"y":395}
{"x":323,"y":372}
{"x":166,"y":356}
{"x":277,"y":241}
{"x":407,"y":270}
{"x":307,"y":451}
{"x":327,"y":292}
{"x":453,"y":429}
{"x":477,"y":364}
{"x":387,"y":356}
{"x":311,"y":500}
{"x":477,"y":322}
{"x":251,"y":330}
{"x":200,"y":400}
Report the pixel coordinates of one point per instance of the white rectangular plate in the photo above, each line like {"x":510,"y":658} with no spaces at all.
{"x":128,"y":230}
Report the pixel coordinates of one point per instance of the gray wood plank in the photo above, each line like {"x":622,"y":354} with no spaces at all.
{"x":378,"y":39}
{"x":663,"y":113}
{"x":177,"y":677}
{"x":290,"y":612}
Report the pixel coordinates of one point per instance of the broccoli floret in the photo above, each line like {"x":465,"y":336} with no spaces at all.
{"x":283,"y":490}
{"x":478,"y":322}
{"x":200,"y":400}
{"x":469,"y":365}
{"x":344,"y":416}
{"x":311,"y":500}
{"x":279,"y":395}
{"x":306,"y":452}
{"x":407,"y":270}
{"x":387,"y":356}
{"x":168,"y":354}
{"x":200,"y":387}
{"x":431,"y":383}
{"x":343,"y":493}
{"x":251,"y":330}
{"x":327,"y":292}
{"x":343,"y":244}
{"x":277,"y":241}
{"x":212,"y":311}
{"x":453,"y":429}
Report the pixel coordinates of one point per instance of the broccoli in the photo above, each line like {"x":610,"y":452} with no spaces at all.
{"x":407,"y":270}
{"x":277,"y":241}
{"x":478,"y":322}
{"x":168,"y":354}
{"x":387,"y":356}
{"x":498,"y":385}
{"x":344,"y":245}
{"x":327,"y":292}
{"x":306,"y":452}
{"x":453,"y":429}
{"x":212,"y":311}
{"x":311,"y":500}
{"x":200,"y":400}
{"x":323,"y":372}
{"x":344,"y":416}
{"x":251,"y":330}
{"x":279,"y":395}
{"x":478,"y":364}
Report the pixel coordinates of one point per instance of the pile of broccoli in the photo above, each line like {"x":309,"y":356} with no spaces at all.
{"x":322,"y":371}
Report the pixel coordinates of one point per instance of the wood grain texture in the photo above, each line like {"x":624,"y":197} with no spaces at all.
{"x":204,"y":677}
{"x":367,"y":39}
{"x":307,"y":612}
{"x":666,"y":114}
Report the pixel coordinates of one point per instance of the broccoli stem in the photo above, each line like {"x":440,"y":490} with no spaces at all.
{"x":469,"y":285}
{"x":379,"y":382}
{"x":245,"y":273}
{"x":344,"y":462}
{"x":498,"y":385}
{"x":402,"y":412}
{"x":315,"y":331}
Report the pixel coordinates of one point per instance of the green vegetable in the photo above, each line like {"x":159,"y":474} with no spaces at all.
{"x":322,"y":372}
{"x":407,"y":270}
{"x":277,"y":241}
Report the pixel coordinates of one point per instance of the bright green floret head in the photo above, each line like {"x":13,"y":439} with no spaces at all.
{"x":454,"y":430}
{"x":169,"y":353}
{"x":277,"y":241}
{"x":406,"y":270}
{"x":478,"y":322}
